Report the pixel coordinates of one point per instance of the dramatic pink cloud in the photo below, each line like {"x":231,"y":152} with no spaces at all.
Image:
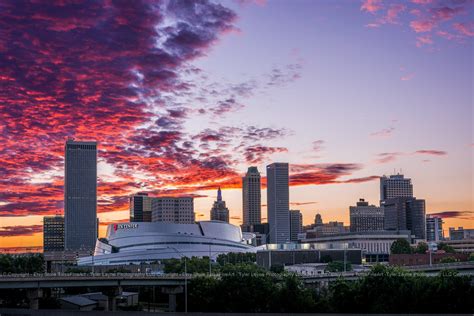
{"x":465,"y":28}
{"x":371,"y":6}
{"x":426,"y":17}
{"x":422,"y":26}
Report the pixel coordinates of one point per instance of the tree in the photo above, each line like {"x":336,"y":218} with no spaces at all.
{"x":338,"y":266}
{"x":236,"y":257}
{"x":326,"y":259}
{"x":193,"y":265}
{"x":28,"y":263}
{"x":118,"y":270}
{"x":400,"y":246}
{"x":422,"y":248}
{"x":277,"y":268}
{"x":448,"y":260}
{"x":447,"y":248}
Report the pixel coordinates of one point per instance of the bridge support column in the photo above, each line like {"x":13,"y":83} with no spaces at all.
{"x":172,"y":291}
{"x":112,"y":294}
{"x":33,"y":296}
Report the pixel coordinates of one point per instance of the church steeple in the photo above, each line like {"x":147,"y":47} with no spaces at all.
{"x":219,"y":194}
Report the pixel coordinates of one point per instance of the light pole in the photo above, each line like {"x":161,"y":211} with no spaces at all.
{"x":344,"y":258}
{"x":185,"y":279}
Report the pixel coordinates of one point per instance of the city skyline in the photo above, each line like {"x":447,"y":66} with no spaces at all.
{"x":182,"y":116}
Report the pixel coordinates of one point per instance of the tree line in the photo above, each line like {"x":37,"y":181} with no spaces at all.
{"x":248,"y":288}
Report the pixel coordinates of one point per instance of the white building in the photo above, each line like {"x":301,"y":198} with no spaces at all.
{"x":307,"y":269}
{"x":133,"y":243}
{"x":375,"y":245}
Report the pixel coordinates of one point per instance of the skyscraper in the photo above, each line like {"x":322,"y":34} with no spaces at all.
{"x":365,"y":217}
{"x":80,"y":195}
{"x":251,"y":197}
{"x":140,"y":207}
{"x":219,"y":211}
{"x":278,"y":202}
{"x":318,"y":220}
{"x":434,"y":228}
{"x":53,"y":233}
{"x":296,"y":224}
{"x":173,"y":210}
{"x":395,"y":186}
{"x":405,"y":213}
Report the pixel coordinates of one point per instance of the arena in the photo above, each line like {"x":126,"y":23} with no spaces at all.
{"x":142,"y":242}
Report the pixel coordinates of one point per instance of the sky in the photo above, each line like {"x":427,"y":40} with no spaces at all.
{"x":183,"y":96}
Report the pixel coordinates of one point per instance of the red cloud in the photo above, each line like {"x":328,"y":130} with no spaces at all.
{"x":465,"y":28}
{"x":371,"y":6}
{"x":431,"y":152}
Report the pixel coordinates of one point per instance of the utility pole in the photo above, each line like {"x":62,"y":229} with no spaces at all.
{"x":185,"y":286}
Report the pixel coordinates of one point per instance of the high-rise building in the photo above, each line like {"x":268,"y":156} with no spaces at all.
{"x":140,"y":207}
{"x":434,"y":228}
{"x":173,"y":210}
{"x":278,"y":195}
{"x":296,"y":224}
{"x":318,"y":220}
{"x":365,"y":217}
{"x":80,"y":195}
{"x":53,"y":233}
{"x":405,"y":213}
{"x":251,"y":197}
{"x":219,"y":211}
{"x":395,"y":186}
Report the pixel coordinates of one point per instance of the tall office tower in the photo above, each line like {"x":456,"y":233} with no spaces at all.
{"x":80,"y":195}
{"x":278,"y":203}
{"x":405,"y":213}
{"x":251,"y":197}
{"x":365,"y":217}
{"x":140,"y":207}
{"x":296,"y":224}
{"x":395,"y":186}
{"x":318,"y":220}
{"x":173,"y":210}
{"x":53,"y":233}
{"x":434,"y":228}
{"x":219,"y":211}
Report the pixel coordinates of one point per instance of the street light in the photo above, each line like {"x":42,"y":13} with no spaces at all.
{"x":185,"y":278}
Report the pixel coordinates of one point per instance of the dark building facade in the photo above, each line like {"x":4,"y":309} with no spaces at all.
{"x":251,"y":197}
{"x":296,"y":224}
{"x":219,"y":211}
{"x":278,"y":204}
{"x":53,"y":233}
{"x":365,"y":217}
{"x":404,"y":213}
{"x":140,"y":207}
{"x":80,"y":195}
